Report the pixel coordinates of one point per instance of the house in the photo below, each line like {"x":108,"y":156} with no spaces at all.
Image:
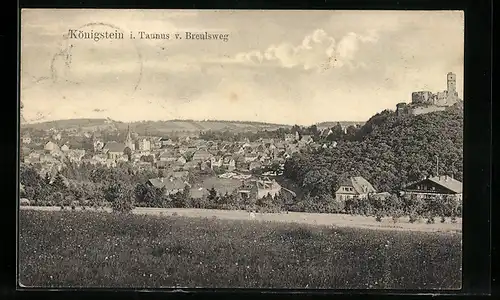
{"x":47,"y":158}
{"x":326,"y":132}
{"x":122,"y":158}
{"x":99,"y":158}
{"x":168,"y":156}
{"x":181,"y":160}
{"x":216,"y":162}
{"x":289,"y":137}
{"x":306,"y":140}
{"x":163,"y":164}
{"x":354,"y":187}
{"x":75,"y":155}
{"x":178,"y":174}
{"x":202,"y":155}
{"x":144,"y":145}
{"x":51,"y":146}
{"x":26,"y":139}
{"x":65,"y":148}
{"x":165,"y":142}
{"x":254,"y":165}
{"x":251,"y":157}
{"x":191,"y":165}
{"x":57,"y":136}
{"x":33,"y":157}
{"x":267,"y":187}
{"x":229,"y":163}
{"x":435,"y":186}
{"x":171,"y":185}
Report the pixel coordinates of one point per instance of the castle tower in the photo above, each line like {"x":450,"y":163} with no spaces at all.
{"x":451,"y":83}
{"x":128,"y":141}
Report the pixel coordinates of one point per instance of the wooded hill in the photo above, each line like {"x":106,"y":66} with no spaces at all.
{"x":389,"y":151}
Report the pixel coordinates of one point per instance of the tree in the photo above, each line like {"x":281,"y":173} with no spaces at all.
{"x":394,"y":207}
{"x":413,"y":206}
{"x":59,"y":183}
{"x":212,"y":195}
{"x":313,"y":130}
{"x":182,"y":199}
{"x":120,"y":196}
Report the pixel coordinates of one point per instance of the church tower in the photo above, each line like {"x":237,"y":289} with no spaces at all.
{"x":128,"y":141}
{"x":451,"y":83}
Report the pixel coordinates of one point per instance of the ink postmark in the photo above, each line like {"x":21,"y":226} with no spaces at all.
{"x":97,"y":53}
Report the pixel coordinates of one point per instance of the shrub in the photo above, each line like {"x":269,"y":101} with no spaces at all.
{"x":122,"y":206}
{"x":413,"y":218}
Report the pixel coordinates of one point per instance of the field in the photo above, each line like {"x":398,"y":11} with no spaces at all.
{"x":99,"y":249}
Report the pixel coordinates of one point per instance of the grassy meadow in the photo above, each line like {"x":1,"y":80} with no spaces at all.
{"x":100,"y":249}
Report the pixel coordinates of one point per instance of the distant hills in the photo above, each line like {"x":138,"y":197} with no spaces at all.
{"x":343,"y":123}
{"x":159,"y":127}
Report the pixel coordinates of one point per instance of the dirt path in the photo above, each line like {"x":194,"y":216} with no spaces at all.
{"x":340,"y":220}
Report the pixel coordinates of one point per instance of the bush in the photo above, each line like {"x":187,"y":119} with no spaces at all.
{"x":122,"y":206}
{"x":413,"y":218}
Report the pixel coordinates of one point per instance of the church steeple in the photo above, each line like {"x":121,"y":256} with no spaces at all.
{"x":128,"y":141}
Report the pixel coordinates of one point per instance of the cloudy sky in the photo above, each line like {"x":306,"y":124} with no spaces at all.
{"x":288,"y":67}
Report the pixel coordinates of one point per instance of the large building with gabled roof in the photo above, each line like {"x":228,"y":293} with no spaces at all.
{"x":354,"y":187}
{"x":435,"y":186}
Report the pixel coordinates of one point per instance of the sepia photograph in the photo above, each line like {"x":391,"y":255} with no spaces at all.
{"x":269,"y":149}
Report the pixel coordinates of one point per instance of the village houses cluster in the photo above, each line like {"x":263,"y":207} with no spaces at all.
{"x":232,"y":161}
{"x":176,"y":158}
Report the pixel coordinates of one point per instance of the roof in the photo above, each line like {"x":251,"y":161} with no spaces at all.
{"x":201,"y":154}
{"x":168,"y":154}
{"x":445,"y":181}
{"x":359,"y":184}
{"x":114,"y":147}
{"x":267,"y":184}
{"x":167,"y":183}
{"x":448,"y":182}
{"x":221,"y":185}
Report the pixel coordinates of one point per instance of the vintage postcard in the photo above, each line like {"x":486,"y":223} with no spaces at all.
{"x":241,"y":149}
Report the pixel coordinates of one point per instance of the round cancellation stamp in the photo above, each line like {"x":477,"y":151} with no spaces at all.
{"x":98,"y":55}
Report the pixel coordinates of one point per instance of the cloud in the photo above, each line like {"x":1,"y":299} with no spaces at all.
{"x":316,"y":51}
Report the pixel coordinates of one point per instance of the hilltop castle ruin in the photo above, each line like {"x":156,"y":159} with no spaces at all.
{"x":425,"y":101}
